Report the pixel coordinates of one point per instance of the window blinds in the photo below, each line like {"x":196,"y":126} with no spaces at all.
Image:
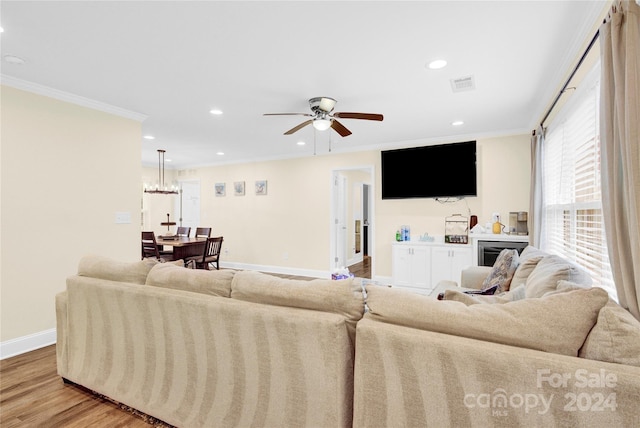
{"x":572,"y":224}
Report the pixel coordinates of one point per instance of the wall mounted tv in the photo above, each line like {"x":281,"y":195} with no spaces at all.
{"x":439,"y":171}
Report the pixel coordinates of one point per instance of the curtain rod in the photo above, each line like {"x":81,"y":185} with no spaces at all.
{"x":575,"y":69}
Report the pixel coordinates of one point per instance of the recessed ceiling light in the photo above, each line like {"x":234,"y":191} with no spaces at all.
{"x":149,"y":137}
{"x":220,"y":153}
{"x":457,"y":123}
{"x":168,"y":160}
{"x":12,"y":59}
{"x":1,"y":30}
{"x":437,"y":64}
{"x":215,"y":111}
{"x":301,"y":143}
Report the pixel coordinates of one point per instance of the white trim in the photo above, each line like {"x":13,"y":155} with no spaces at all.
{"x":21,"y":345}
{"x":46,"y":91}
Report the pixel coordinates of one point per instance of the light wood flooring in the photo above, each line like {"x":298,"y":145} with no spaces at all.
{"x":360,"y":270}
{"x":33,"y":395}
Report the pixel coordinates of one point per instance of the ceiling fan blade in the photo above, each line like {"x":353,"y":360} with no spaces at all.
{"x":365,"y":116}
{"x":287,"y":114}
{"x":297,"y":128}
{"x":340,"y":129}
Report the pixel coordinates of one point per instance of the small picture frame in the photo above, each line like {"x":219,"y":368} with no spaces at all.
{"x":220,"y":189}
{"x":261,"y":187}
{"x":238,"y":188}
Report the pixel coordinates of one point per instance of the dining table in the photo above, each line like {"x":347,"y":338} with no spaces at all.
{"x":183,"y":246}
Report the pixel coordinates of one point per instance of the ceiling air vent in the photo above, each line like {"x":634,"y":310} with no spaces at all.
{"x":465,"y":83}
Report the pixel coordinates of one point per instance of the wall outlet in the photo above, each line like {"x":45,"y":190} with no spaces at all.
{"x":285,"y":256}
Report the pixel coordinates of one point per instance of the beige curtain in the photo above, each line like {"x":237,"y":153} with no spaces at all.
{"x":620,"y":146}
{"x":536,"y":202}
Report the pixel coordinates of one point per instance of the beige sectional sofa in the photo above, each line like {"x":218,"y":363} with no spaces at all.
{"x":223,"y":348}
{"x":193,"y":349}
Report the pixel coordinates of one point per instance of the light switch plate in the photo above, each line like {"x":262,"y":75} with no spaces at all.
{"x":123,"y":217}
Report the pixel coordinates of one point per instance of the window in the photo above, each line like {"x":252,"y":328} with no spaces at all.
{"x":572,"y":223}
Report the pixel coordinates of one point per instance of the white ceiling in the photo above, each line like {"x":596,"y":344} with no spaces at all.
{"x":174,"y":61}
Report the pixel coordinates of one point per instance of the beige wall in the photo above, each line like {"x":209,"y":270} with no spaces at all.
{"x":66,"y":171}
{"x":290,"y":227}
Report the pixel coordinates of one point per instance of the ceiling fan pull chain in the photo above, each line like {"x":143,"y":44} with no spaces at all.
{"x":314,"y":141}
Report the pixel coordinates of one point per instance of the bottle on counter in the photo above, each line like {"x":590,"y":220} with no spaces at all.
{"x":398,"y":236}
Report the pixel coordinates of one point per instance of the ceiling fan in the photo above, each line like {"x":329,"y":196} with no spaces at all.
{"x":322,"y":119}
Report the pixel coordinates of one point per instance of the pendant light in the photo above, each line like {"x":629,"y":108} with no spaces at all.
{"x":161,"y":188}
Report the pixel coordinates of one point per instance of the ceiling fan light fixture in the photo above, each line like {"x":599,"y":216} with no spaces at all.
{"x":322,"y":124}
{"x":327,"y":104}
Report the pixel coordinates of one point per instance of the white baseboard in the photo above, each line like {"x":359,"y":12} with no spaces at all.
{"x":20,"y":345}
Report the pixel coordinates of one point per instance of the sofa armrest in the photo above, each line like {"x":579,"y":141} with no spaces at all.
{"x":473,"y":276}
{"x":61,"y":302}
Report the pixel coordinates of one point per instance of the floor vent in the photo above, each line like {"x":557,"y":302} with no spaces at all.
{"x":466,"y":83}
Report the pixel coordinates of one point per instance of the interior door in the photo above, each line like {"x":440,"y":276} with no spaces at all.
{"x":340,"y":220}
{"x":188,"y":205}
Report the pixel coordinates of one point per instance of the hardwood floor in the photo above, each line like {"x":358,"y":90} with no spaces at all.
{"x":33,"y":395}
{"x":362,"y":269}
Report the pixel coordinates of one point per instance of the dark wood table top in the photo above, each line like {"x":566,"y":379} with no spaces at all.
{"x":181,"y":241}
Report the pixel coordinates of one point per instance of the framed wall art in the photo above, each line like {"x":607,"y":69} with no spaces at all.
{"x":261,"y":187}
{"x":220,"y":189}
{"x":238,"y":188}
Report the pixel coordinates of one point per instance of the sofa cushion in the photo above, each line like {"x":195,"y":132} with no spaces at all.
{"x":106,"y":268}
{"x":527,"y":262}
{"x":502,"y":271}
{"x":557,"y":323}
{"x":211,"y":282}
{"x":512,"y":295}
{"x":615,"y":338}
{"x":551,"y":269}
{"x":343,"y":297}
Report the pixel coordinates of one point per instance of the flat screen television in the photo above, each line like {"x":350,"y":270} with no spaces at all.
{"x":439,"y":171}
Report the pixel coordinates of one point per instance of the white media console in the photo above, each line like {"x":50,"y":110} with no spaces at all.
{"x":420,"y":265}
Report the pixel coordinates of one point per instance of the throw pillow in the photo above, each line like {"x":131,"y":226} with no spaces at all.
{"x":558,"y":323}
{"x":549,"y":271}
{"x":615,"y":338}
{"x":211,"y":282}
{"x":105,"y":268}
{"x":502,"y":272}
{"x":528,"y":261}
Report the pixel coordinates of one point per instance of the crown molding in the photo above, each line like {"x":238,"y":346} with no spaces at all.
{"x":70,"y":98}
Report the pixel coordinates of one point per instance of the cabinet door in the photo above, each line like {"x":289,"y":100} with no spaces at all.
{"x":420,"y":267}
{"x":461,"y":258}
{"x":410,"y":266}
{"x":447,"y":263}
{"x":440,"y":265}
{"x":401,"y":265}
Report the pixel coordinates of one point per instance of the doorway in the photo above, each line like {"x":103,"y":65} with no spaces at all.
{"x":187,"y":207}
{"x":352,"y":220}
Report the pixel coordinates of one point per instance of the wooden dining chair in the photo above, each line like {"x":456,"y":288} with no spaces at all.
{"x":183,"y":231}
{"x":150,"y":247}
{"x":211,"y":255}
{"x":203,"y":232}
